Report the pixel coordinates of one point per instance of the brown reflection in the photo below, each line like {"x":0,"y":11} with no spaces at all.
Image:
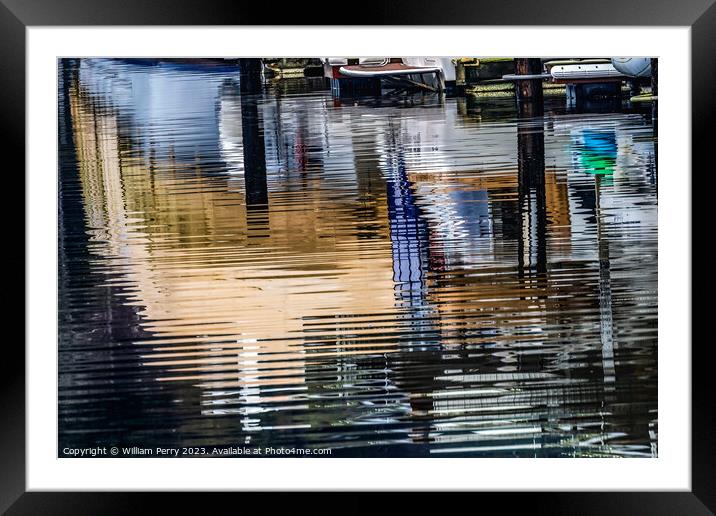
{"x":227,"y":310}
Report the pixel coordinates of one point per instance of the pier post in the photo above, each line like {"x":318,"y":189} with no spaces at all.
{"x":529,"y":90}
{"x":252,"y":134}
{"x":460,"y":77}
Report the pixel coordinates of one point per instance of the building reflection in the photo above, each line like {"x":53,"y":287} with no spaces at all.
{"x":540,"y":300}
{"x":226,"y":311}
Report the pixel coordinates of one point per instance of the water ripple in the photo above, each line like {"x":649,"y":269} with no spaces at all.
{"x":403,"y":293}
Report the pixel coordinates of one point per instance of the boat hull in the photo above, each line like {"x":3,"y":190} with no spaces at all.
{"x":633,"y":66}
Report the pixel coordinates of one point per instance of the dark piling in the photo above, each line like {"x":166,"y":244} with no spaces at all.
{"x":532,"y":245}
{"x":529,"y":90}
{"x":252,"y":134}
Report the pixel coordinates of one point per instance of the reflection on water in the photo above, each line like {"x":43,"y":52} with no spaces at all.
{"x":421,"y":276}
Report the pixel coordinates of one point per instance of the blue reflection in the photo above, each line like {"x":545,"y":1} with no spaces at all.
{"x":597,"y":151}
{"x":409,"y":236}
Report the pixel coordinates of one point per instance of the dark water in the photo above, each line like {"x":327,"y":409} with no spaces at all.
{"x":430,"y":276}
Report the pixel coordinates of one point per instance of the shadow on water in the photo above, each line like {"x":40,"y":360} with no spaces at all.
{"x":251,"y":265}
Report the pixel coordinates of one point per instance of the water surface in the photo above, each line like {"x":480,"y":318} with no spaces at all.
{"x":417,"y":276}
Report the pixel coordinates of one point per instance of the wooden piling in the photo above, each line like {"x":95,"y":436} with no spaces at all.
{"x":529,"y":90}
{"x":459,"y":73}
{"x":460,"y":77}
{"x":530,"y":165}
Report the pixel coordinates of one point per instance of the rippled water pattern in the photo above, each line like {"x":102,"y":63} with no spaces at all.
{"x":403,"y":293}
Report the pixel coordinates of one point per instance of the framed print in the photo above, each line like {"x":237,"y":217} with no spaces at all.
{"x":253,"y":265}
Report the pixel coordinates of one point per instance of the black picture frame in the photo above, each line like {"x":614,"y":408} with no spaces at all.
{"x":17,"y":15}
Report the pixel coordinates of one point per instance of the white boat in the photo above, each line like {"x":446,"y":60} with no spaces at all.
{"x":633,"y":66}
{"x":582,"y":71}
